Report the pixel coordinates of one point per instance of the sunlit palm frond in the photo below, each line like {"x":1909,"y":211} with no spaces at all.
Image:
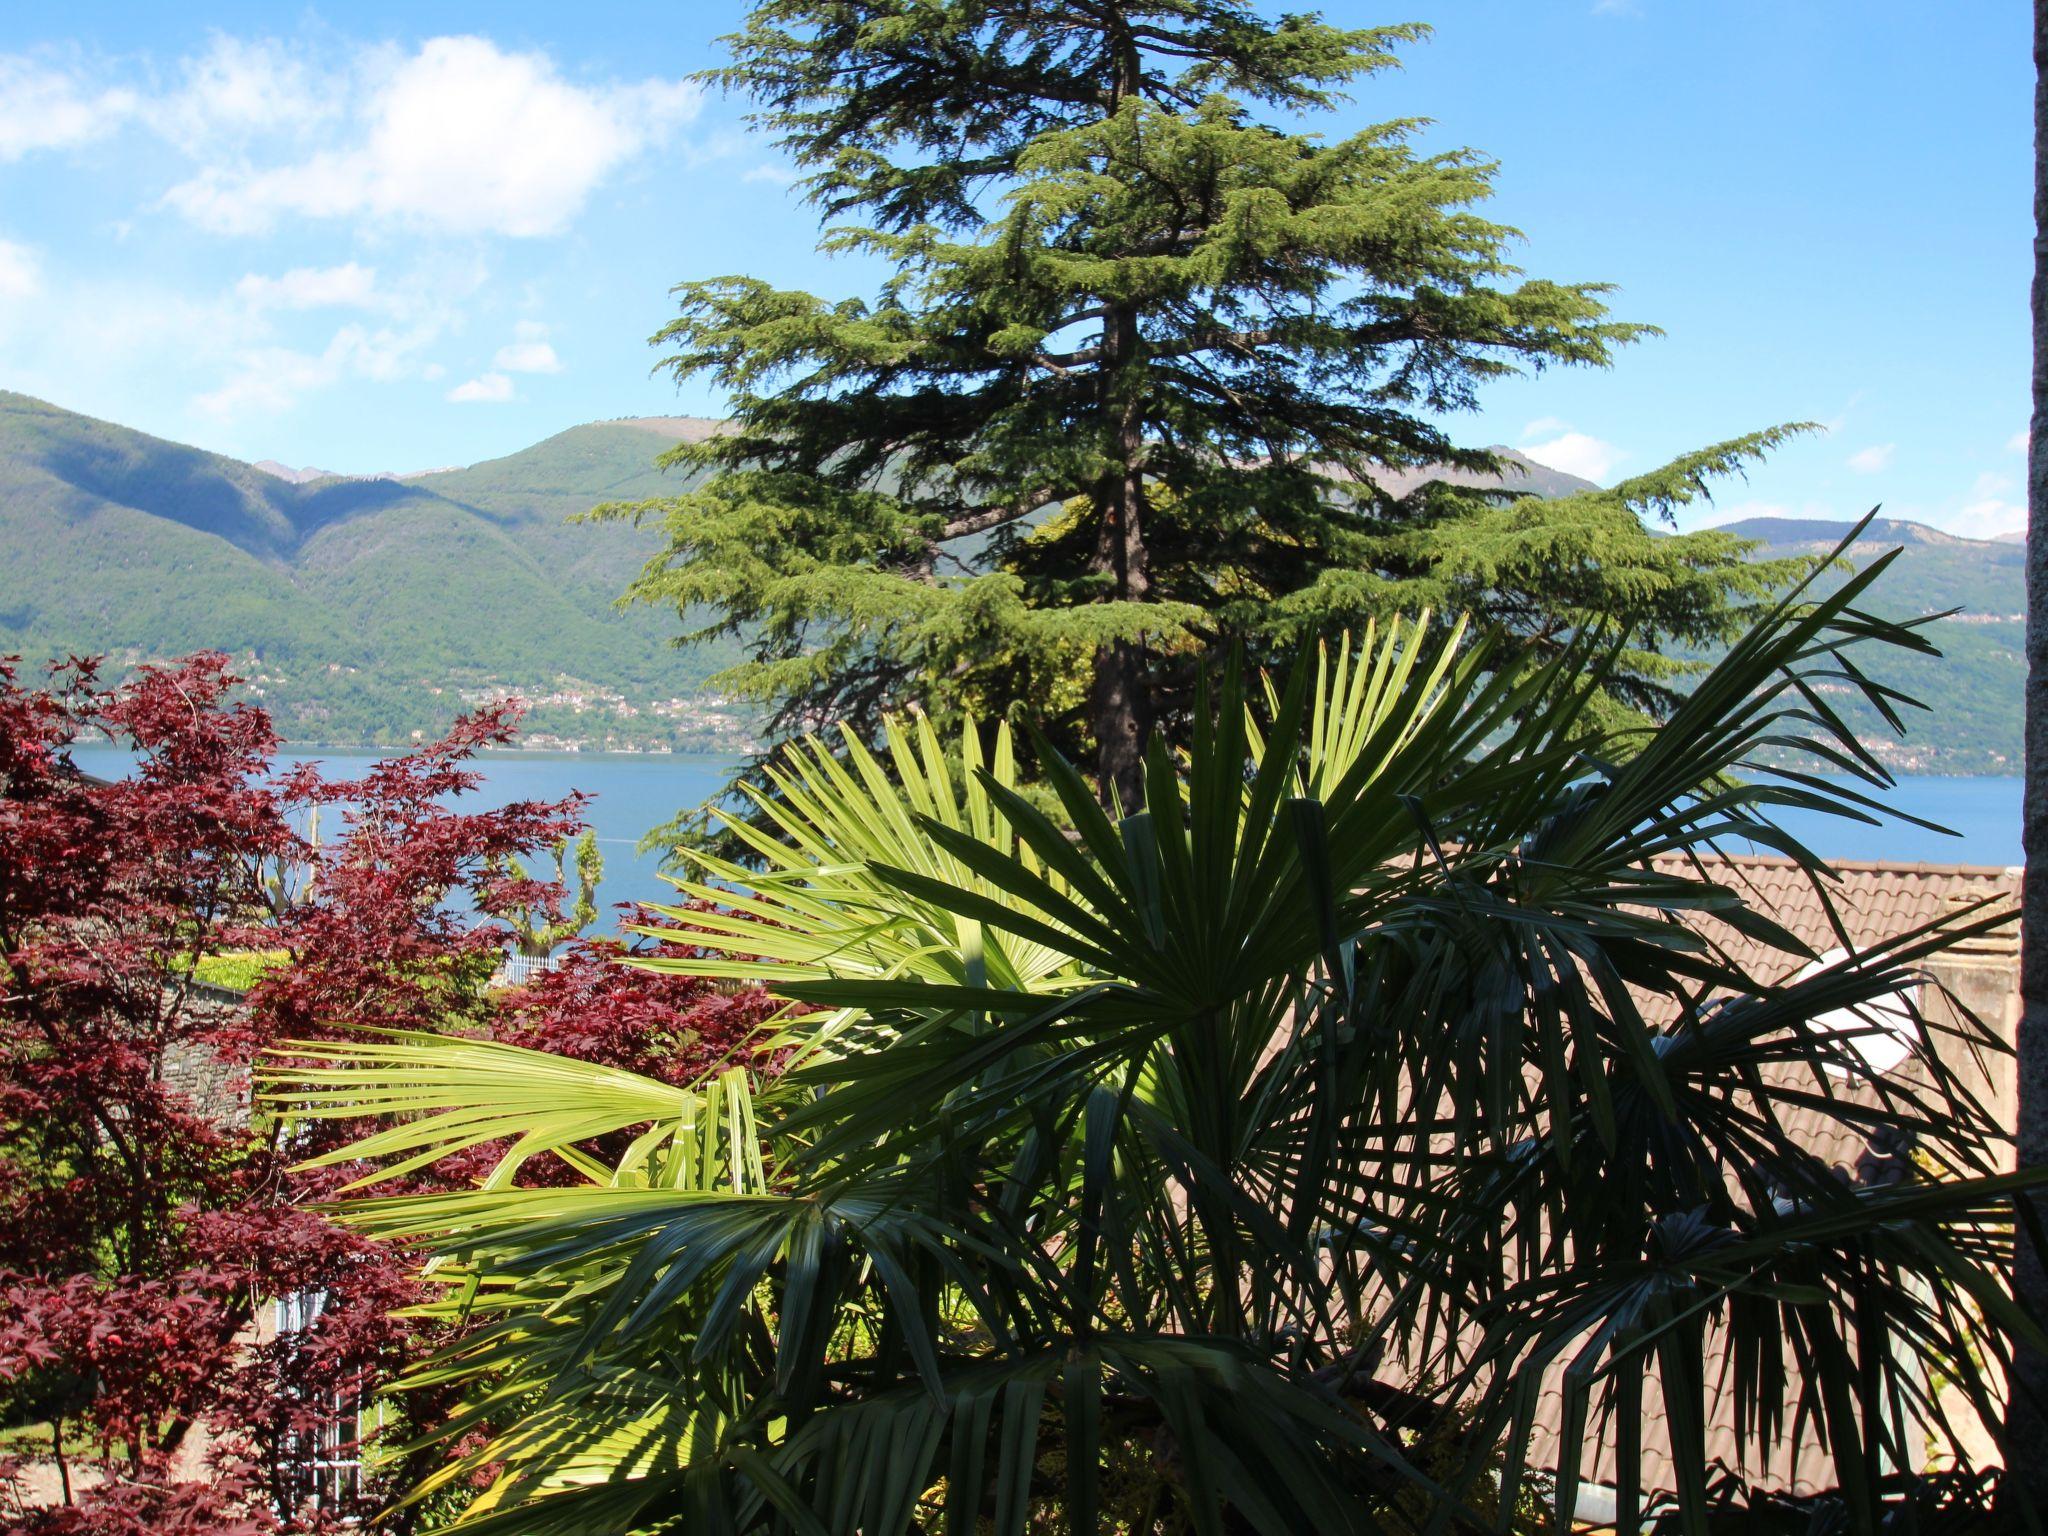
{"x":1369,"y":698}
{"x":814,"y":908}
{"x":447,"y":1094}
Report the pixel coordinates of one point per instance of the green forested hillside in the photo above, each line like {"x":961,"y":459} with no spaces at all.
{"x":1973,"y":723}
{"x":365,"y":610}
{"x":368,"y":610}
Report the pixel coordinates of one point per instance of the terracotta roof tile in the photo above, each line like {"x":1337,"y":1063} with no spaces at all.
{"x":1875,"y":901}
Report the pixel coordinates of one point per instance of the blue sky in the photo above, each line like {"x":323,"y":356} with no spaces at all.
{"x":399,"y":236}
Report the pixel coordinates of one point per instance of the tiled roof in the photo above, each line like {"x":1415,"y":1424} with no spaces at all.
{"x":1874,"y":902}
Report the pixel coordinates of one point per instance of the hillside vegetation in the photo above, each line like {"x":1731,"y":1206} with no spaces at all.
{"x":364,"y":610}
{"x":1973,"y":724}
{"x":367,"y":611}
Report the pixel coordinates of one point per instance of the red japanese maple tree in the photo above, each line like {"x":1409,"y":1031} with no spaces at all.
{"x":147,"y":1217}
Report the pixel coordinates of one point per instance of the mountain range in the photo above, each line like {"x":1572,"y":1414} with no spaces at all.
{"x":365,"y":610}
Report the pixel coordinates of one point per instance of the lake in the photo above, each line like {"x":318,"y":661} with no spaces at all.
{"x":630,"y":794}
{"x":1983,"y":813}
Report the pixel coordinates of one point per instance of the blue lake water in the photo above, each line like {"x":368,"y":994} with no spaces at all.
{"x":1982,"y":813}
{"x":631,"y":794}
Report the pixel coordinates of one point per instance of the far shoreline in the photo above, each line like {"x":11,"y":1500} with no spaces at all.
{"x":559,"y":754}
{"x":296,"y":748}
{"x":564,"y":754}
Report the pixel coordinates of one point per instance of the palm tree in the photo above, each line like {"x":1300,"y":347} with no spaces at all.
{"x":1251,"y":1163}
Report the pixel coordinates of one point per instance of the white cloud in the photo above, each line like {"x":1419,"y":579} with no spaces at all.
{"x":46,"y":107}
{"x":2017,"y":443}
{"x":21,"y":275}
{"x":268,"y":380}
{"x":529,"y":352}
{"x":1545,"y":426}
{"x":527,"y":357}
{"x":1576,"y":453}
{"x":265,"y":344}
{"x":272,"y":350}
{"x":488,"y":388}
{"x":775,"y":175}
{"x":349,"y":286}
{"x":459,"y":136}
{"x":1874,"y":459}
{"x":244,"y":90}
{"x":1839,"y":422}
{"x":1986,"y":518}
{"x":406,"y":153}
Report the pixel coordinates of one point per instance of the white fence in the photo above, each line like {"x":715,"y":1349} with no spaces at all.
{"x":517,"y":969}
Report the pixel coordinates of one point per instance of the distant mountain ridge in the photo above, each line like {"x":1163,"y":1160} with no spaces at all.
{"x":1823,"y":533}
{"x":368,"y":608}
{"x":309,"y":473}
{"x":301,"y":476}
{"x":1524,"y":474}
{"x":364,"y":609}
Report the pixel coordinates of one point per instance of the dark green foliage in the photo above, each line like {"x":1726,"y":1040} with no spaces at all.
{"x":880,"y":96}
{"x":1153,"y":350}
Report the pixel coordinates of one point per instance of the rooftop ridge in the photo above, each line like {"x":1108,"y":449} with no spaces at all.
{"x":1921,"y":867}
